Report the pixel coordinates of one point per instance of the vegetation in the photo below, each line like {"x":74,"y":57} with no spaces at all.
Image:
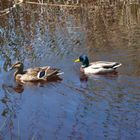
{"x":97,"y":18}
{"x":39,"y":30}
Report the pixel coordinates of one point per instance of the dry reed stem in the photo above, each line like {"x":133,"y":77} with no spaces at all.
{"x":33,"y":137}
{"x":48,"y":4}
{"x":18,"y":130}
{"x":2,"y":126}
{"x":7,"y":10}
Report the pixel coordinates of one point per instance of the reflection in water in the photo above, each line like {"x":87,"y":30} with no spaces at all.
{"x":77,"y":106}
{"x":7,"y":100}
{"x":18,"y":88}
{"x":83,"y":80}
{"x":10,"y":108}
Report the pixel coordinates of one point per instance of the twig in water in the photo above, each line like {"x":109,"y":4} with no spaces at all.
{"x":18,"y":131}
{"x":33,"y":136}
{"x":2,"y":126}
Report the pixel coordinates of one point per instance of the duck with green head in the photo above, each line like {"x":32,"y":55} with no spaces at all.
{"x":99,"y":67}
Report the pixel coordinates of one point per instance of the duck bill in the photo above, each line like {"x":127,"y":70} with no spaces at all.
{"x":77,"y":60}
{"x":11,"y":68}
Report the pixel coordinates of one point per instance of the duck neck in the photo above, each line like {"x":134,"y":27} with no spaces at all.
{"x":18,"y":71}
{"x":85,"y":64}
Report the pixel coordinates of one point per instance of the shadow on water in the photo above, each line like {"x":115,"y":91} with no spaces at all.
{"x":75,"y":107}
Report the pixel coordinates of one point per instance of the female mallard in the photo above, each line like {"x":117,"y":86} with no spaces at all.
{"x":99,"y":67}
{"x":33,"y":74}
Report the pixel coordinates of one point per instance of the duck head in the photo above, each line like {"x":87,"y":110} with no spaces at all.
{"x":84,"y":60}
{"x":18,"y":65}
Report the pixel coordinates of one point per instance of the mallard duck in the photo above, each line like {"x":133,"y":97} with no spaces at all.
{"x":33,"y":74}
{"x":99,"y":67}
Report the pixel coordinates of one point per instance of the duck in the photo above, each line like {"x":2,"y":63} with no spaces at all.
{"x":98,"y":67}
{"x":33,"y":74}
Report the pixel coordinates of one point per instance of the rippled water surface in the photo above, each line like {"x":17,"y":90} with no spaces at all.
{"x":74,"y":108}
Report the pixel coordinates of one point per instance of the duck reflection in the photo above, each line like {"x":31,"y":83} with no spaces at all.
{"x":18,"y":88}
{"x":83,"y":80}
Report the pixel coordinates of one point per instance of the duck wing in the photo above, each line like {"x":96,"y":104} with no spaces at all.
{"x":41,"y":72}
{"x":105,"y":64}
{"x":52,"y":71}
{"x":48,"y":71}
{"x":33,"y":71}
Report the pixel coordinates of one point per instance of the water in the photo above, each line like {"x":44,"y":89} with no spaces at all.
{"x":74,"y":108}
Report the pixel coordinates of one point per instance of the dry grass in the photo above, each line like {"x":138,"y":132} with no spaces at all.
{"x":49,"y":4}
{"x":40,"y":2}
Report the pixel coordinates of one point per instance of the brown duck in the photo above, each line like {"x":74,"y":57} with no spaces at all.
{"x":33,"y":74}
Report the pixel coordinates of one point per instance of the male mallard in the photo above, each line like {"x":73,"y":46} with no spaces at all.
{"x":99,"y":67}
{"x":33,"y":74}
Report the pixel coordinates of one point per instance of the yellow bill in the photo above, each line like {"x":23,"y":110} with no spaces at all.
{"x":77,"y":60}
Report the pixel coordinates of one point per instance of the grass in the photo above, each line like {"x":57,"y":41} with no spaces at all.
{"x":50,"y":4}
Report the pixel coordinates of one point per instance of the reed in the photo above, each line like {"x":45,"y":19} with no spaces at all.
{"x":18,"y":131}
{"x":33,"y":137}
{"x":49,"y":4}
{"x":4,"y":123}
{"x":7,"y":10}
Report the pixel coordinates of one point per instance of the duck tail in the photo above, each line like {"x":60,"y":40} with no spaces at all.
{"x":117,"y":65}
{"x":59,"y":73}
{"x":55,"y":73}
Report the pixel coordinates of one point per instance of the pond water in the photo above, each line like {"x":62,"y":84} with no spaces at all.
{"x":74,"y":108}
